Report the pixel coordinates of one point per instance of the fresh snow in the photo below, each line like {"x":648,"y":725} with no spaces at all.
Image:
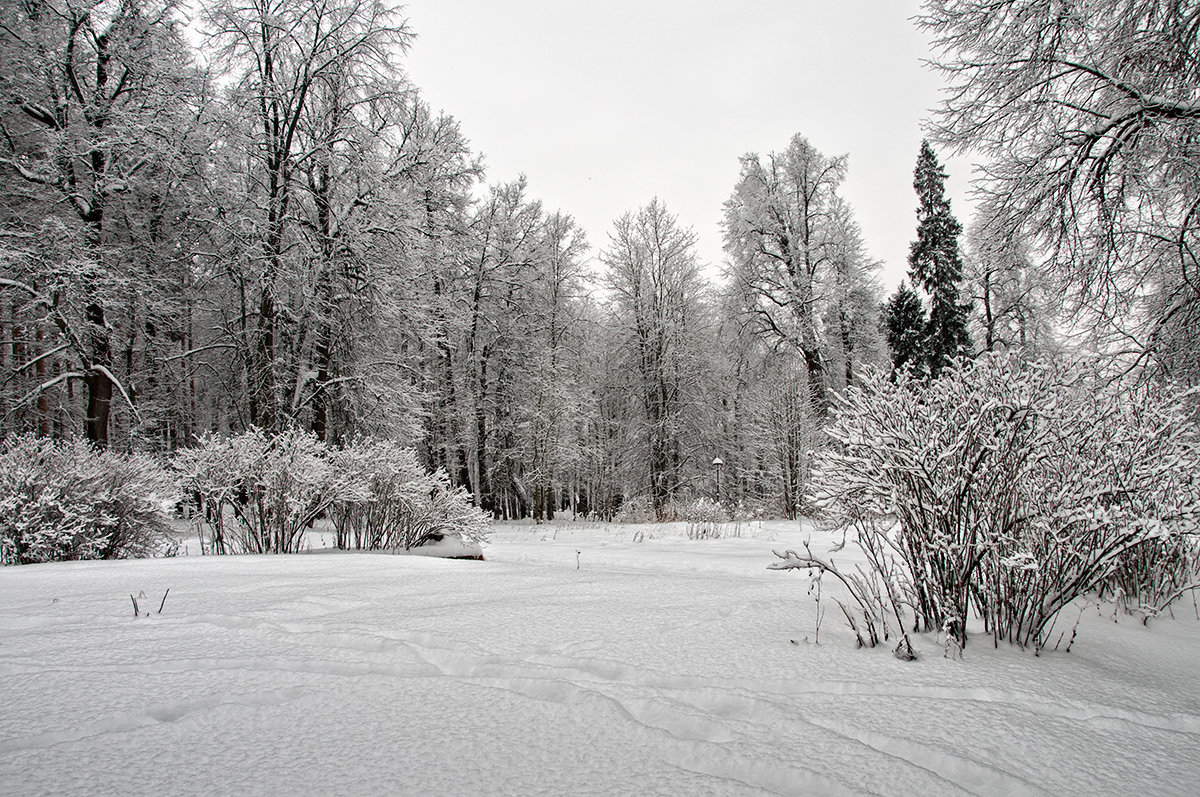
{"x":574,"y":660}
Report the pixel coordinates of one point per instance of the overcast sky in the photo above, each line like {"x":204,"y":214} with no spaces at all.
{"x":605,"y":105}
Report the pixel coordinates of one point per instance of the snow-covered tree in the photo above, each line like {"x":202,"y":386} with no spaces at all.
{"x":1009,"y":290}
{"x":780,"y":236}
{"x":553,"y":407}
{"x":1086,"y":114}
{"x":661,"y":328}
{"x":96,"y":99}
{"x":494,"y":285}
{"x":851,"y":317}
{"x":294,"y":60}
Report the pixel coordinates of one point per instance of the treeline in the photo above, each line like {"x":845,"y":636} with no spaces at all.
{"x":272,"y":229}
{"x":262,"y":224}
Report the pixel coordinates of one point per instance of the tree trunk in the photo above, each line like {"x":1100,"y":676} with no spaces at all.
{"x":99,"y":386}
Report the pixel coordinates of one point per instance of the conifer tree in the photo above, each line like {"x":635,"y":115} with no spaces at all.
{"x":904,"y":326}
{"x":935,"y":264}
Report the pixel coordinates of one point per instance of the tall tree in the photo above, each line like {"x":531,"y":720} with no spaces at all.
{"x":779,"y":233}
{"x":505,"y":246}
{"x":551,"y":410}
{"x":658,"y":315}
{"x":441,"y":174}
{"x":1009,"y":289}
{"x":92,"y":99}
{"x":935,"y":263}
{"x":1087,"y":115}
{"x":851,"y":298}
{"x":287,"y":57}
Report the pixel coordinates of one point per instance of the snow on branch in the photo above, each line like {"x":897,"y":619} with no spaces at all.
{"x":1012,"y":489}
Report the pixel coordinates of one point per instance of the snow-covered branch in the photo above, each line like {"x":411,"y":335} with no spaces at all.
{"x":1016,"y":488}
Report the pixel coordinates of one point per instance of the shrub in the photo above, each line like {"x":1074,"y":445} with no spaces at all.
{"x":401,"y":504}
{"x":260,"y":493}
{"x":1152,"y":575}
{"x":66,"y":500}
{"x":703,"y":518}
{"x":636,"y":510}
{"x":1006,"y":489}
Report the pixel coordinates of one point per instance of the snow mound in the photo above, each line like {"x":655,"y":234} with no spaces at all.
{"x":448,"y":547}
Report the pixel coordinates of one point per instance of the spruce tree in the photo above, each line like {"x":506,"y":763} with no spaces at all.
{"x":904,"y":326}
{"x":934,"y":263}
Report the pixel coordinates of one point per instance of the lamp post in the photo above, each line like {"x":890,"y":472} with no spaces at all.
{"x":717,"y":463}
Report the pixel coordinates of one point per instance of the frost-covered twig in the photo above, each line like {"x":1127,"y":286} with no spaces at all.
{"x":870,"y":603}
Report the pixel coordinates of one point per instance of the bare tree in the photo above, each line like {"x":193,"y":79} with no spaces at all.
{"x":657,"y":313}
{"x":1011,"y":296}
{"x":779,"y":233}
{"x":94,"y":96}
{"x":1086,"y":114}
{"x":288,"y":57}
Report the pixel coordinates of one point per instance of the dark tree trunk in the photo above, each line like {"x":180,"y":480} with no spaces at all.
{"x":99,"y":386}
{"x":265,"y":406}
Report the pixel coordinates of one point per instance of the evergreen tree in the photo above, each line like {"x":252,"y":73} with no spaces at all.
{"x":934,"y":263}
{"x":904,"y":325}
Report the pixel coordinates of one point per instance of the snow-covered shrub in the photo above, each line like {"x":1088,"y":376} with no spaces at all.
{"x":450,"y":513}
{"x":211,"y":475}
{"x":703,"y":518}
{"x":1150,"y":576}
{"x":401,"y":504}
{"x":66,"y":500}
{"x":636,"y":510}
{"x":393,"y":483}
{"x":1008,"y":490}
{"x":874,"y":615}
{"x":260,"y":493}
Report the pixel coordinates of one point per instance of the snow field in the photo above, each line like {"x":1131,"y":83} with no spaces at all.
{"x":660,"y":667}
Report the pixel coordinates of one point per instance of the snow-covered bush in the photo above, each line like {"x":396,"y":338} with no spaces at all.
{"x":401,"y":504}
{"x":260,"y":493}
{"x":703,"y":518}
{"x":636,"y":510}
{"x":1150,"y":576}
{"x":874,"y":615}
{"x":66,"y":500}
{"x":211,"y":475}
{"x":1008,"y":490}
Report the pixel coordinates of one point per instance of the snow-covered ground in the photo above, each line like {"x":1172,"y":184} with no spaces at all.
{"x":573,"y":661}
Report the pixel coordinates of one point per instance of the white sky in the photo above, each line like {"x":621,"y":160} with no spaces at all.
{"x":605,"y":105}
